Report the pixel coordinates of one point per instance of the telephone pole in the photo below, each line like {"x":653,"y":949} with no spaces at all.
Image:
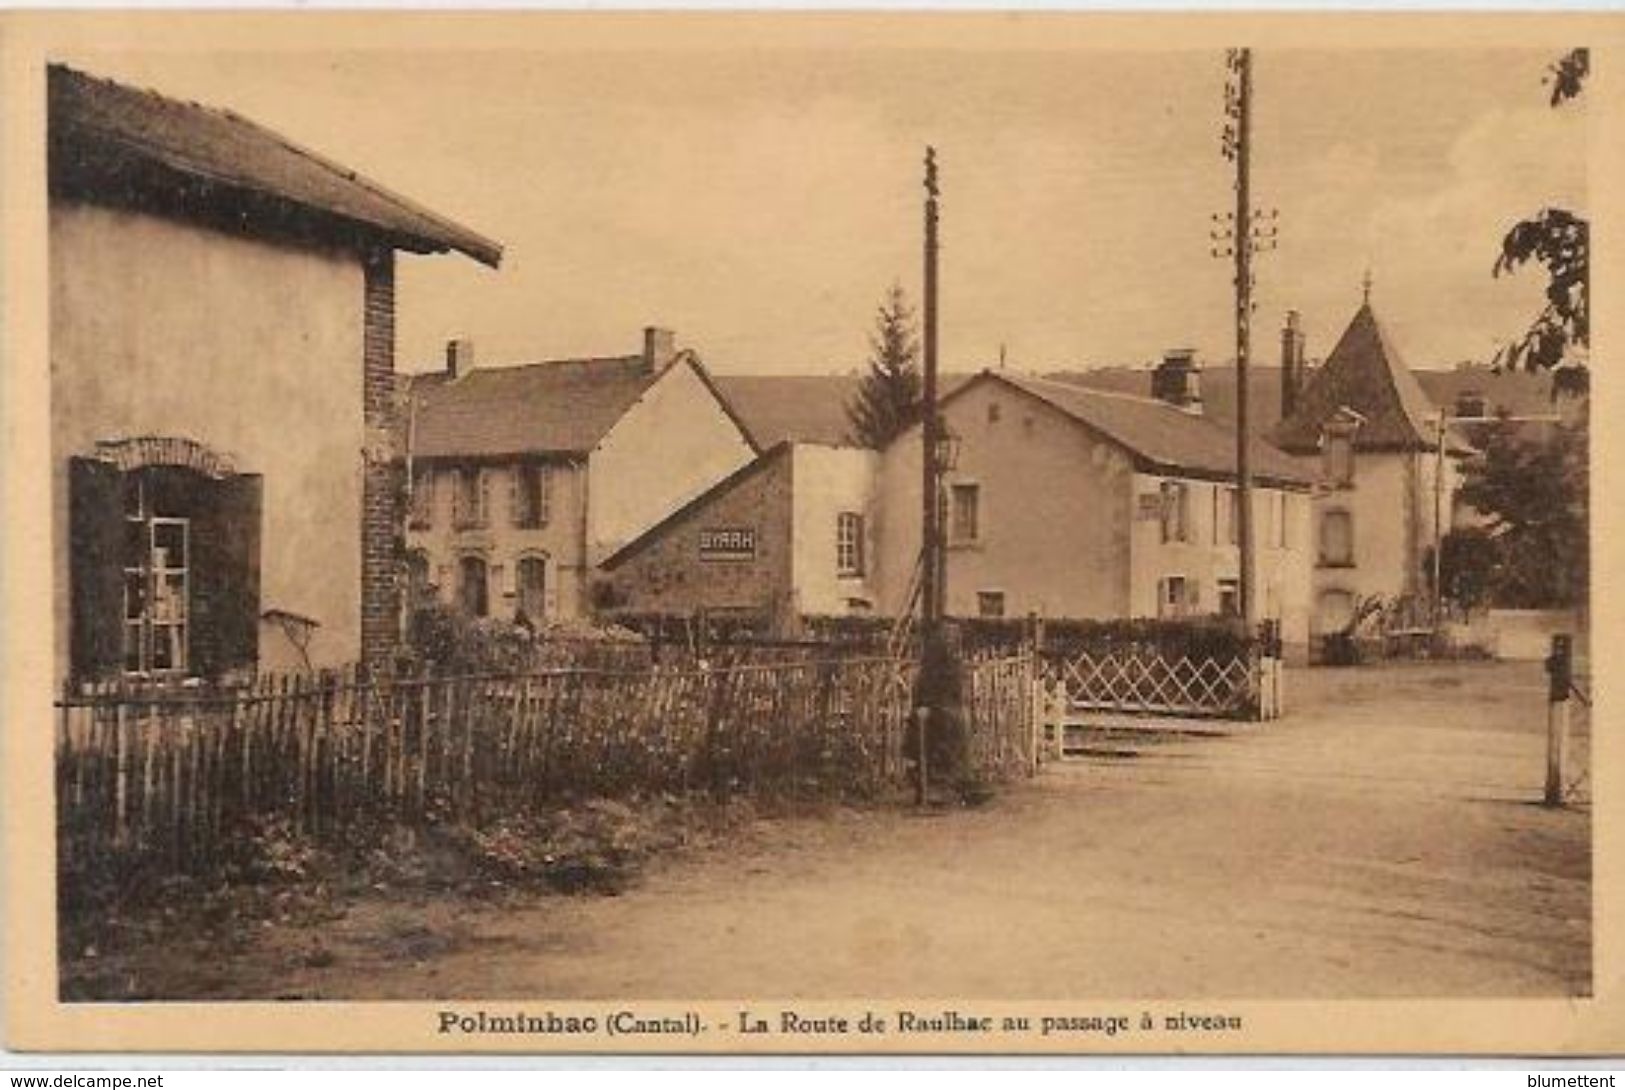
{"x":932,"y":596}
{"x":1248,"y":233}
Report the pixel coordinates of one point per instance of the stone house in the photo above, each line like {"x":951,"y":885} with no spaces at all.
{"x":1385,"y":478}
{"x":524,"y":478}
{"x":222,"y":319}
{"x":787,"y":537}
{"x":1070,"y":502}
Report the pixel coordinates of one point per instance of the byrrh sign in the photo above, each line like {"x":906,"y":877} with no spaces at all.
{"x":727,"y":543}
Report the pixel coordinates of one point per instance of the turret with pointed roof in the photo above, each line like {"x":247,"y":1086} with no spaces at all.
{"x":1366,"y":374}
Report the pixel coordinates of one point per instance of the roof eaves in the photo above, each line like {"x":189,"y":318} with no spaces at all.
{"x":444,"y":234}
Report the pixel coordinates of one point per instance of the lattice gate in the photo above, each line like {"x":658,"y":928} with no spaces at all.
{"x":1150,"y":683}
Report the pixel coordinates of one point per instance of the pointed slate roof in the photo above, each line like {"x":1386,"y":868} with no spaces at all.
{"x":1363,"y":373}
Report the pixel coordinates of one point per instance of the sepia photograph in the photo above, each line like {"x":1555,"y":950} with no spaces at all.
{"x":578,"y":529}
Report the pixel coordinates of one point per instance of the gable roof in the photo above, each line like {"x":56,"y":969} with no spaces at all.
{"x":553,"y":407}
{"x":802,"y":408}
{"x":764,"y":460}
{"x":556,"y":407}
{"x":1365,"y":373}
{"x":109,"y":137}
{"x":1520,"y":392}
{"x":794,"y":408}
{"x":1160,"y":436}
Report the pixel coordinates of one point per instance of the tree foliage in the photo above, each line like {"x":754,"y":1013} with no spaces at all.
{"x":1560,"y":242}
{"x":888,"y":400}
{"x":1536,"y":497}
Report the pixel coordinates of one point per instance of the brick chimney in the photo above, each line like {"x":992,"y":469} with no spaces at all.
{"x":659,"y":346}
{"x":1291,"y":364}
{"x":459,"y":357}
{"x":1178,"y":380}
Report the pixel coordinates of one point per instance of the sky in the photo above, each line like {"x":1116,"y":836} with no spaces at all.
{"x":760,"y":201}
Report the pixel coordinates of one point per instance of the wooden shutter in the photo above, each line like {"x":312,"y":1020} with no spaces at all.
{"x":95,"y":568}
{"x":226,"y":576}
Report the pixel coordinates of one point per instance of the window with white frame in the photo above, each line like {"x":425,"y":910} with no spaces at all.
{"x":849,"y":543}
{"x":157,"y":585}
{"x":163,"y":578}
{"x":1176,"y":596}
{"x":965,"y":514}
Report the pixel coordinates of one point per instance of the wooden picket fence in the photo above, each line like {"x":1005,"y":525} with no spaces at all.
{"x":174,"y":776}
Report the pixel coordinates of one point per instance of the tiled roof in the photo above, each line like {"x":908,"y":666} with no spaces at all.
{"x":1364,"y":373}
{"x":109,"y":132}
{"x":556,"y":407}
{"x":797,"y":408}
{"x":800,"y":408}
{"x":1160,"y":436}
{"x":1518,"y":392}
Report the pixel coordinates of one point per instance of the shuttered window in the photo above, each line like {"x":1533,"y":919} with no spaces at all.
{"x":530,"y":500}
{"x":164,"y":571}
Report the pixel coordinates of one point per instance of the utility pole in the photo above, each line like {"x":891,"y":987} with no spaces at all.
{"x":1246,"y":235}
{"x":932,"y":597}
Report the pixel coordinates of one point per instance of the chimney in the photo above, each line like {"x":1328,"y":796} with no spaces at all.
{"x":1291,"y":364}
{"x":459,"y":357}
{"x":659,"y":346}
{"x":1178,"y":380}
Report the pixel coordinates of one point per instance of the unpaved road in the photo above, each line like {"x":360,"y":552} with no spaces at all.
{"x":1380,"y":841}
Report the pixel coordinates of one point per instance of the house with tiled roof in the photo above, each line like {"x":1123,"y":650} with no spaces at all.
{"x":1072,"y":502}
{"x":525,"y":477}
{"x":1385,"y":476}
{"x":222,"y":315}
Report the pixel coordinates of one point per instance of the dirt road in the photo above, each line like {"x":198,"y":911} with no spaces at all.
{"x":1381,"y":841}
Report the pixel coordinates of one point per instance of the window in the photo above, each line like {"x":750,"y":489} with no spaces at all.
{"x":849,"y":543}
{"x":964,"y":525}
{"x":1176,"y":595}
{"x":1176,"y":514}
{"x":531,"y":496}
{"x":990,"y":603}
{"x":1226,"y":515}
{"x":1335,"y":610}
{"x":993,"y":412}
{"x":530,"y":575}
{"x":1336,"y":539}
{"x":1337,"y":456}
{"x":422,"y":499}
{"x":157,"y":595}
{"x":1230,"y":597}
{"x":469,"y":502}
{"x":472,"y":588}
{"x":164,"y":569}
